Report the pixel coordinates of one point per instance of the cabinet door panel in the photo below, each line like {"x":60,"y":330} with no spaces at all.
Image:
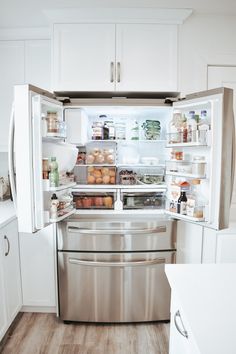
{"x":11,"y":73}
{"x":82,"y":57}
{"x":3,"y":314}
{"x":38,"y":279}
{"x":38,"y":63}
{"x":147,"y":54}
{"x":11,"y":269}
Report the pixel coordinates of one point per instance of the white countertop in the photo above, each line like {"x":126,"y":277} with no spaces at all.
{"x":207,"y":295}
{"x":7,"y":212}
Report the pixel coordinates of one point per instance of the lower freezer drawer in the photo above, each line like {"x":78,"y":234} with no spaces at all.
{"x":118,"y":287}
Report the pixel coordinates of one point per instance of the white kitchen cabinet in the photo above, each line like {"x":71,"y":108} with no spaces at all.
{"x":189,"y":242}
{"x":181,"y":337}
{"x":3,"y":312}
{"x":83,"y":57}
{"x":38,"y":63}
{"x":146,"y":57}
{"x":10,"y":273}
{"x":21,"y":62}
{"x":220,"y":246}
{"x":11,"y":73}
{"x":38,"y":270}
{"x":109,"y":57}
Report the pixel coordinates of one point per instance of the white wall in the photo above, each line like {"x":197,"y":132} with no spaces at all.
{"x":204,"y":40}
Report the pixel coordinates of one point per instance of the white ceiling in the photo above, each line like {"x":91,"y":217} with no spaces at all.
{"x":29,"y":13}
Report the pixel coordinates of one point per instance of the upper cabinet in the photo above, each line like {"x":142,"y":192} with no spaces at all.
{"x":109,"y":57}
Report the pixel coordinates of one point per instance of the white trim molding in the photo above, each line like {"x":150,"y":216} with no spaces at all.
{"x":118,"y":15}
{"x":25,"y":33}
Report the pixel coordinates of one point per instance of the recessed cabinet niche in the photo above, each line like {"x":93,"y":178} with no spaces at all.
{"x":114,"y":57}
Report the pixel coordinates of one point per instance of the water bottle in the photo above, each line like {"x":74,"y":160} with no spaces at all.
{"x":54,"y":174}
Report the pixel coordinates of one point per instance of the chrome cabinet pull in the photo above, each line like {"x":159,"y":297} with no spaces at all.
{"x":8,"y":246}
{"x":112,"y":72}
{"x":118,"y":232}
{"x":183,"y":332}
{"x":118,"y":71}
{"x":117,"y":263}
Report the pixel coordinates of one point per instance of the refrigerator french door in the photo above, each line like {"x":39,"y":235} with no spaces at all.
{"x":33,"y":142}
{"x":208,"y":157}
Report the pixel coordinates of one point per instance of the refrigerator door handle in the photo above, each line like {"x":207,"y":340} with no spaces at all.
{"x":118,"y":232}
{"x":117,"y":263}
{"x":11,"y":156}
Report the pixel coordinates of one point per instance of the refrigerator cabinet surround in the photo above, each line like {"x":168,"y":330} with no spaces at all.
{"x":113,"y":270}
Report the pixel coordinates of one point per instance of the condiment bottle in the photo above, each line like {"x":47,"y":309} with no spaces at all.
{"x":135,"y":131}
{"x":54,"y":174}
{"x":54,"y":206}
{"x":182,"y":203}
{"x":45,"y":169}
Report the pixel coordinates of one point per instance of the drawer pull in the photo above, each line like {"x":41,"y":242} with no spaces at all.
{"x":117,"y":263}
{"x":158,"y":229}
{"x":8,"y":246}
{"x":182,"y":331}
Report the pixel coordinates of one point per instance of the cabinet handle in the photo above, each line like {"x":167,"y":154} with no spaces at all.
{"x":112,"y":72}
{"x":183,"y":332}
{"x":118,"y":71}
{"x":8,"y":246}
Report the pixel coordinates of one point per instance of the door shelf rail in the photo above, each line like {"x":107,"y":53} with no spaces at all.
{"x":183,"y":217}
{"x":68,"y":212}
{"x":182,"y":174}
{"x":192,"y":144}
{"x":47,"y":188}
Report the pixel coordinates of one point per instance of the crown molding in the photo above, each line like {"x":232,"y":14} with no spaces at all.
{"x":118,"y":15}
{"x":25,"y":33}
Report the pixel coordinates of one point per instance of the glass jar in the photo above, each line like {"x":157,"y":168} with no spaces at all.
{"x":199,"y":165}
{"x":120,"y":130}
{"x":52,"y":122}
{"x":97,"y":130}
{"x":45,"y":168}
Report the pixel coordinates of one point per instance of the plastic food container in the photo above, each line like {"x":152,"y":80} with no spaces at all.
{"x":94,"y":200}
{"x":100,"y":155}
{"x":101,"y":175}
{"x":199,"y":165}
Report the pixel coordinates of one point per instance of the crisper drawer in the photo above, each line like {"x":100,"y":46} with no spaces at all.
{"x":121,"y":287}
{"x":94,"y":200}
{"x":143,"y":200}
{"x":117,"y":235}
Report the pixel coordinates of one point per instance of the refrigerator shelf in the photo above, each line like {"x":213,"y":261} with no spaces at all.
{"x":128,"y":141}
{"x":96,"y":165}
{"x":47,"y":188}
{"x":62,"y":217}
{"x":110,"y":187}
{"x":183,"y":217}
{"x":147,"y":212}
{"x":186,"y":145}
{"x":182,"y":174}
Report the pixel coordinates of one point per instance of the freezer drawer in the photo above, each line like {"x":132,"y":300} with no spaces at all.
{"x":121,"y":287}
{"x":117,"y":235}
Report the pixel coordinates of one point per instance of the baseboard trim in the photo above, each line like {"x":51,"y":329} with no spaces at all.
{"x":42,"y":309}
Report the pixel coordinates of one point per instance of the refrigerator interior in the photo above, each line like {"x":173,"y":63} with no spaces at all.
{"x":148,"y":167}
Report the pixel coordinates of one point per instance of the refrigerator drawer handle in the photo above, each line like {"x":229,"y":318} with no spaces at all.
{"x":118,"y":232}
{"x":182,"y":331}
{"x":117,"y":263}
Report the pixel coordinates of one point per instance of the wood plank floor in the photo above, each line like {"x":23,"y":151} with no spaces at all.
{"x":36,"y":333}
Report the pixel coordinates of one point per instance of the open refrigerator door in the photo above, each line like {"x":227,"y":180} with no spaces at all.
{"x":199,"y":170}
{"x":43,"y":160}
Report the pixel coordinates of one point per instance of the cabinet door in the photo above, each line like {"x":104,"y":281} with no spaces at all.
{"x":189,"y":243}
{"x":146,"y":57}
{"x":11,"y":268}
{"x":38,"y":279}
{"x":83,"y":57}
{"x":3,"y":314}
{"x":11,"y":73}
{"x":38,"y":63}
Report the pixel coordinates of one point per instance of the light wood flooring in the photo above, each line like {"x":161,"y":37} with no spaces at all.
{"x":36,"y":333}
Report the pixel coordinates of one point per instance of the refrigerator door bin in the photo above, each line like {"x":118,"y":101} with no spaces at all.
{"x":114,"y":287}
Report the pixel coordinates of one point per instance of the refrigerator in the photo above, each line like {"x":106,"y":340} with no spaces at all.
{"x":189,"y":156}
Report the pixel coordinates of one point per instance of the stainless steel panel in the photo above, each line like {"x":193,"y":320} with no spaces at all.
{"x":116,"y":235}
{"x":121,"y":287}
